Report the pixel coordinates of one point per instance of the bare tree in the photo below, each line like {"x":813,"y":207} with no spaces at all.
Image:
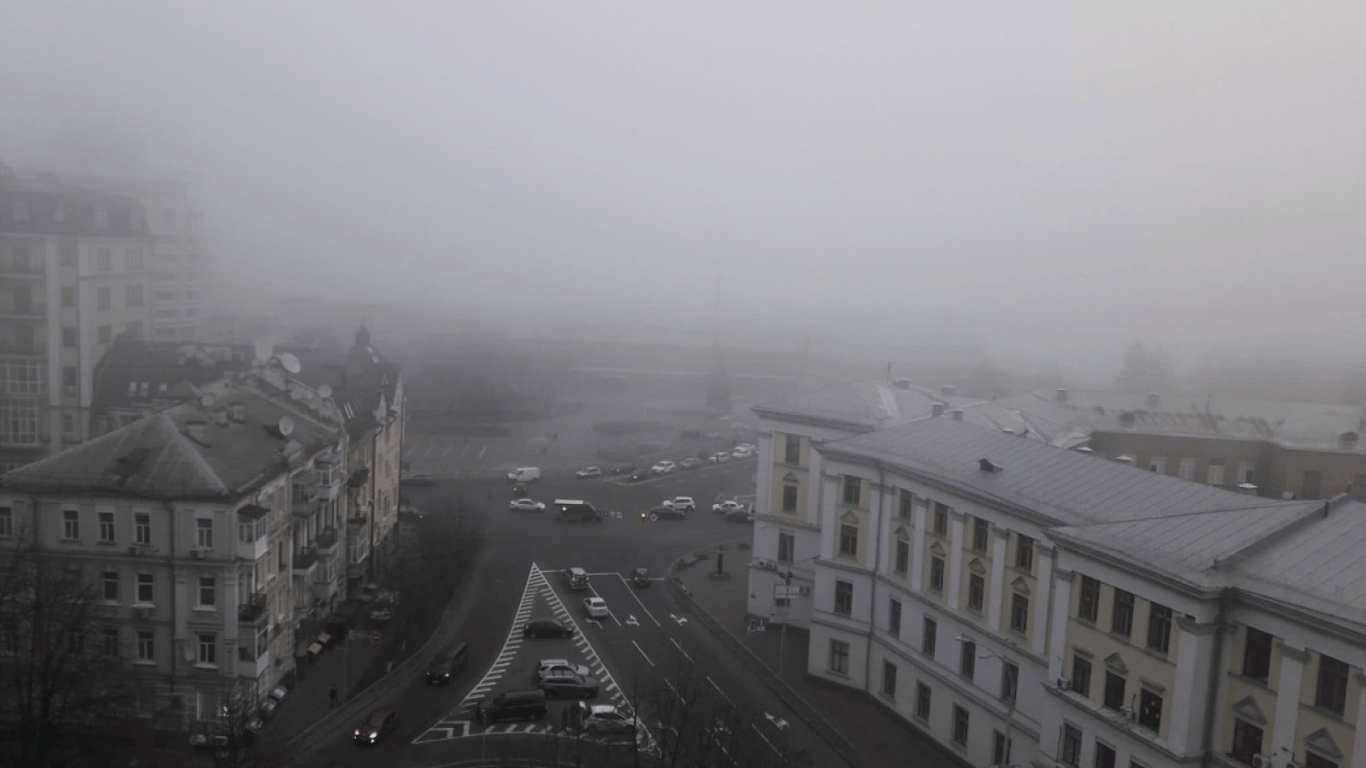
{"x":65,"y":694}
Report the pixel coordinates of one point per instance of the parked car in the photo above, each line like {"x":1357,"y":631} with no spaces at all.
{"x":726,"y":507}
{"x":692,"y":462}
{"x":538,"y":628}
{"x":739,"y":516}
{"x":680,"y":503}
{"x":568,"y":685}
{"x":747,"y":447}
{"x":604,"y":718}
{"x":622,"y":470}
{"x":663,"y":513}
{"x":595,"y":607}
{"x":512,"y":705}
{"x":376,"y":725}
{"x":740,"y":452}
{"x":548,"y":666}
{"x":587,"y":472}
{"x":408,"y":513}
{"x":524,"y":475}
{"x":519,"y":490}
{"x":268,"y":708}
{"x":720,"y":457}
{"x":641,"y":577}
{"x":639,"y":474}
{"x":279,"y":693}
{"x":663,"y":468}
{"x":526,"y":505}
{"x":382,"y":612}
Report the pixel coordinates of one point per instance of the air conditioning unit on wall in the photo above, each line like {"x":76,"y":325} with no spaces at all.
{"x":768,"y":565}
{"x":1064,"y":684}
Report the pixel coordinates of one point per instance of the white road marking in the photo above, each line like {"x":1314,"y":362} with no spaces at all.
{"x":680,"y":650}
{"x":680,"y":619}
{"x":719,"y":691}
{"x":642,"y":653}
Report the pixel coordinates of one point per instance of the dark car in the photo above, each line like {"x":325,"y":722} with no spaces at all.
{"x":448,"y":664}
{"x":538,"y":628}
{"x":512,"y":705}
{"x":519,"y":491}
{"x":567,"y":685}
{"x":663,"y":513}
{"x":739,"y":516}
{"x":641,"y":577}
{"x":378,"y":724}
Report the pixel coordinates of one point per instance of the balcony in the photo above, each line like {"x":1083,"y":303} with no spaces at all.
{"x":326,"y":541}
{"x":253,"y":610}
{"x":305,"y":560}
{"x":252,"y":668}
{"x":37,"y":309}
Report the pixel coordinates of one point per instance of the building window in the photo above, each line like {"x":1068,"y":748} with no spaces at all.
{"x":1114,"y":691}
{"x":903,"y":556}
{"x":936,"y":574}
{"x":1214,"y":474}
{"x":1247,"y":741}
{"x":1312,"y":487}
{"x":103,"y":334}
{"x":1158,"y":465}
{"x":69,"y":376}
{"x":1105,"y":755}
{"x":981,"y":530}
{"x":1149,"y":710}
{"x":853,"y":486}
{"x":1332,"y":687}
{"x":1071,"y":745}
{"x":1010,"y":680}
{"x":789,"y":498}
{"x":1257,"y":654}
{"x":68,"y":296}
{"x":792,"y":450}
{"x":69,"y":337}
{"x":204,"y":532}
{"x":111,"y":586}
{"x":1000,"y":749}
{"x":906,"y":505}
{"x":844,"y":597}
{"x":888,"y":679}
{"x":1024,"y":553}
{"x":1122,"y":622}
{"x":208,"y":650}
{"x":6,"y":523}
{"x":786,"y":544}
{"x":922,"y":701}
{"x":941,"y":519}
{"x":967,"y":659}
{"x":68,"y":424}
{"x":1089,"y":606}
{"x":106,"y":526}
{"x":849,"y":540}
{"x":929,"y":637}
{"x":1312,"y":760}
{"x":103,"y":263}
{"x":1159,"y":627}
{"x":1019,"y":613}
{"x":142,"y":528}
{"x":894,"y":617}
{"x":145,"y":650}
{"x":960,"y":726}
{"x":1081,"y":676}
{"x":1186,"y":469}
{"x":71,"y":524}
{"x":839,"y":657}
{"x":145,"y":592}
{"x":208,"y":591}
{"x":102,"y":298}
{"x":977,"y":587}
{"x":109,"y":642}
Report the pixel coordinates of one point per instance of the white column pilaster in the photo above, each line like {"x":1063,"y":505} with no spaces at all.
{"x":1043,"y":582}
{"x":1057,"y":636}
{"x":1194,"y":654}
{"x":955,"y":586}
{"x":918,"y":554}
{"x":997,"y":589}
{"x":1288,"y":697}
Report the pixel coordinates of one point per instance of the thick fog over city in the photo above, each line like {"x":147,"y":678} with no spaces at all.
{"x":1049,"y":181}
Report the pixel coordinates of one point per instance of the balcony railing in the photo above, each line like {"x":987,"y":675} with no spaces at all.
{"x":252,"y":609}
{"x":305,"y":559}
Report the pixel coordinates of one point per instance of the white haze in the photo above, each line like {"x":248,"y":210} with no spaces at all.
{"x":1058,"y":178}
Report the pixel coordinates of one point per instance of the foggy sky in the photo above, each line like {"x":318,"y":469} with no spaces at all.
{"x":1061,"y":177}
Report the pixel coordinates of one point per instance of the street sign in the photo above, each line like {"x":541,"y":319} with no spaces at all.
{"x":786,"y":592}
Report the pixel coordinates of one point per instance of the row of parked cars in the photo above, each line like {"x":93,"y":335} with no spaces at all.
{"x":668,"y":466}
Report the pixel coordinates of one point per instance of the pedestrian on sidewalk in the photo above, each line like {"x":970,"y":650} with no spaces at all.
{"x":332,"y":697}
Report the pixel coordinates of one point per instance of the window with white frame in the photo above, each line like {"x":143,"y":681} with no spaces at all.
{"x":922,"y":701}
{"x":787,"y":544}
{"x":792,"y":450}
{"x":848,"y":540}
{"x":977,"y":587}
{"x":208,"y":591}
{"x":208,"y":650}
{"x":888,"y":679}
{"x":960,"y":726}
{"x":146,"y":651}
{"x":1019,"y":613}
{"x":107,"y":527}
{"x":853,"y":490}
{"x":1157,"y":464}
{"x":844,"y":597}
{"x":903,"y":556}
{"x":1010,"y":680}
{"x":839,"y":657}
{"x":789,"y":498}
{"x":204,"y":532}
{"x":1186,"y":470}
{"x":1215,"y":473}
{"x":146,"y":593}
{"x":967,"y":659}
{"x":109,"y":642}
{"x":111,"y":586}
{"x":142,"y":528}
{"x":893,"y":617}
{"x":936,"y":574}
{"x":71,"y":524}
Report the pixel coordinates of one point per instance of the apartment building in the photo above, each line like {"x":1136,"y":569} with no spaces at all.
{"x":74,"y":276}
{"x":1029,"y":605}
{"x":209,"y":531}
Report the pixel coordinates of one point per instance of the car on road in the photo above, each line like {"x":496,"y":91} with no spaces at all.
{"x":740,"y":452}
{"x":663,"y":513}
{"x":548,"y":666}
{"x":382,"y":613}
{"x":418,"y":480}
{"x":692,"y":462}
{"x":376,"y":725}
{"x":681,"y":503}
{"x":641,"y":577}
{"x":568,"y":685}
{"x":595,"y":607}
{"x":603,"y":718}
{"x":268,"y":708}
{"x":726,"y":507}
{"x":663,"y":468}
{"x":639,"y":475}
{"x":407,"y":513}
{"x":739,"y":516}
{"x":449,"y":663}
{"x":587,"y":472}
{"x":526,"y":505}
{"x":512,"y":705}
{"x":748,"y":447}
{"x":538,"y":628}
{"x":720,"y":457}
{"x":524,"y":475}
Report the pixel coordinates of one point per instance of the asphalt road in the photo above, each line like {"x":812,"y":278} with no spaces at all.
{"x":643,"y":652}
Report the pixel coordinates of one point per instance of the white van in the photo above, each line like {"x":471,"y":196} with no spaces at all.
{"x":524,"y":475}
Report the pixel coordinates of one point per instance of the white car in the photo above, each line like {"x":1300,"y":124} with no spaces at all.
{"x":526,"y":505}
{"x":663,"y":468}
{"x":741,"y":452}
{"x":681,"y":503}
{"x":550,"y":666}
{"x":588,"y":472}
{"x":604,"y":718}
{"x":595,"y":607}
{"x":726,"y":507}
{"x":747,"y":447}
{"x":720,"y":457}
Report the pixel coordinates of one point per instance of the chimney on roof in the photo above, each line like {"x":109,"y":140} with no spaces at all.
{"x":986,"y":465}
{"x":237,"y":412}
{"x":957,"y":414}
{"x":1247,"y":488}
{"x":1154,"y":400}
{"x":937,"y":410}
{"x":946,"y":390}
{"x":1060,"y":396}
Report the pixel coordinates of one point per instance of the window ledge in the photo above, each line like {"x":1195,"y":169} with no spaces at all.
{"x":145,"y":662}
{"x":106,"y":543}
{"x":201,"y":665}
{"x":205,"y":609}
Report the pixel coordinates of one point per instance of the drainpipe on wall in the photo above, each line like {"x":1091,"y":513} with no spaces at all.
{"x":1215,"y":672}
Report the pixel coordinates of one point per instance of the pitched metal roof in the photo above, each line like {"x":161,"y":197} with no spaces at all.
{"x":864,"y":405}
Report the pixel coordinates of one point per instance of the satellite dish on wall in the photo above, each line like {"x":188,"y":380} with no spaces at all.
{"x":290,"y":363}
{"x":286,"y":426}
{"x":324,"y":390}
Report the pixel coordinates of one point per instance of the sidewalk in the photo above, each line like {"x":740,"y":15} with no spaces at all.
{"x":868,"y":734}
{"x":343,"y":666}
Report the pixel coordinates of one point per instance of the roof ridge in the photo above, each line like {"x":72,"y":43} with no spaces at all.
{"x":184,"y":445}
{"x":1271,"y":537}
